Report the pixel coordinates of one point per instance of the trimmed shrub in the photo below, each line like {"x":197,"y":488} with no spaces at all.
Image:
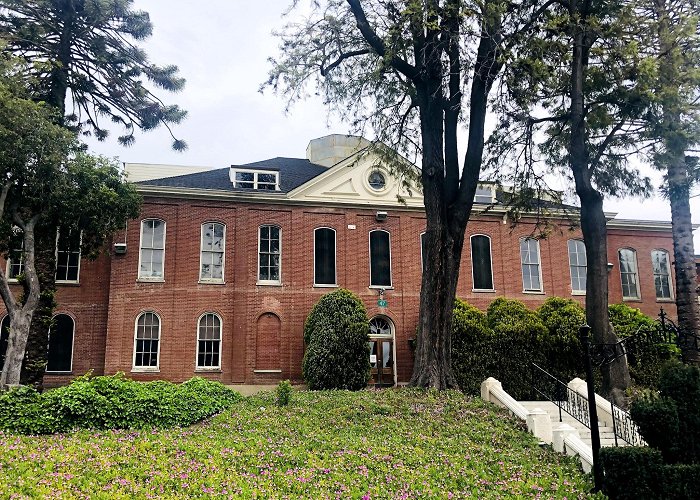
{"x":283,"y":393}
{"x":112,"y":402}
{"x":561,"y":346}
{"x":472,"y":356}
{"x":646,"y":364}
{"x":337,"y":335}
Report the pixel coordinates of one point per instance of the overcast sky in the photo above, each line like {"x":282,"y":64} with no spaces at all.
{"x":221,"y":48}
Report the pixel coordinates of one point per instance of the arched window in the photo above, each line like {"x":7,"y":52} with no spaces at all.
{"x":152,"y":254}
{"x":269,"y":254}
{"x":324,"y":256}
{"x":147,"y":341}
{"x":530,"y":264}
{"x":61,"y":333}
{"x":209,"y":341}
{"x":660,"y":263}
{"x":379,"y":258}
{"x":482,"y":272}
{"x":4,"y":337}
{"x":628,"y":273}
{"x":578,"y":266}
{"x":213,"y":244}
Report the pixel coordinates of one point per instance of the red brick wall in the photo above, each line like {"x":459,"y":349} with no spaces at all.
{"x":109,"y":298}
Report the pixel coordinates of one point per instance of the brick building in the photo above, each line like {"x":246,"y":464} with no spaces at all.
{"x":218,"y":274}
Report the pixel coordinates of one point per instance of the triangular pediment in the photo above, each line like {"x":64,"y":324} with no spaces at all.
{"x":352,"y":181}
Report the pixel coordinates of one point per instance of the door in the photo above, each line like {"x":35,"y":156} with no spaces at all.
{"x":381,"y":360}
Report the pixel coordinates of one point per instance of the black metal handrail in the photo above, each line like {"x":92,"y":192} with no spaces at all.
{"x":624,"y":427}
{"x":552,"y":389}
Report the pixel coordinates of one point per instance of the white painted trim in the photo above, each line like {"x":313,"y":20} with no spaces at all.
{"x":539,"y":265}
{"x":138,"y":271}
{"x":72,"y":345}
{"x":80,"y":259}
{"x":670,"y":275}
{"x":335,"y":259}
{"x":256,"y":174}
{"x":568,"y":258}
{"x":257,"y":269}
{"x":267,"y":371}
{"x":201,"y":251}
{"x":471,"y":254}
{"x":636,"y":272}
{"x":391,"y":274}
{"x":156,"y":368}
{"x":391,"y":337}
{"x":221,"y":341}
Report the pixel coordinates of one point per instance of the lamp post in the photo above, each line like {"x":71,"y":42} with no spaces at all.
{"x":584,"y":332}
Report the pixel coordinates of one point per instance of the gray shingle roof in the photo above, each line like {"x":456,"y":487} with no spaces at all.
{"x":293,"y":173}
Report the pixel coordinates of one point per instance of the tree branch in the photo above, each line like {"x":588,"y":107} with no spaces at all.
{"x":341,"y":58}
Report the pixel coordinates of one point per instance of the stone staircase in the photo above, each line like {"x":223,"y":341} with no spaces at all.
{"x":607,"y":436}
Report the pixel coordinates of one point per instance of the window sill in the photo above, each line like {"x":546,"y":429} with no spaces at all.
{"x":267,"y":371}
{"x":380,"y":287}
{"x":59,"y":373}
{"x":669,"y":300}
{"x":534,"y":292}
{"x":483,"y":290}
{"x":145,"y":370}
{"x":208,"y":370}
{"x":150,"y":280}
{"x":578,"y":293}
{"x":325,"y":286}
{"x":632,"y":299}
{"x":68,"y":283}
{"x":268,"y":283}
{"x":211,"y":282}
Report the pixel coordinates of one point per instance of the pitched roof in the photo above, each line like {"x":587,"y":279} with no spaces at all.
{"x":293,"y":173}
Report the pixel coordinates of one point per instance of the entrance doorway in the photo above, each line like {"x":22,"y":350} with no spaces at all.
{"x":381,"y":352}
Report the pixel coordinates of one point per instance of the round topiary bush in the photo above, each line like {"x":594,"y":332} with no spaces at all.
{"x":337,"y":334}
{"x":472,"y":356}
{"x":561,"y":345}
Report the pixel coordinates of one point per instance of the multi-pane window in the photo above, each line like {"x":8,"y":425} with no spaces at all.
{"x":60,"y":356}
{"x":324,"y":256}
{"x":660,"y":263}
{"x":68,"y":256}
{"x":15,"y":261}
{"x":212,"y":253}
{"x":379,"y":258}
{"x":530,"y":262}
{"x":269,"y":254}
{"x":251,"y":179}
{"x":628,"y":273}
{"x":481,"y":262}
{"x":483,"y":194}
{"x":152,"y":255}
{"x":578,"y":265}
{"x":147,"y":340}
{"x":209,"y":341}
{"x":423,"y":250}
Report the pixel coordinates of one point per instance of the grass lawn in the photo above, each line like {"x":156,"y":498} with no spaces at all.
{"x":371,"y":444}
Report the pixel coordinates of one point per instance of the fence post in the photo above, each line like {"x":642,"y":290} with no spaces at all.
{"x":584,"y":332}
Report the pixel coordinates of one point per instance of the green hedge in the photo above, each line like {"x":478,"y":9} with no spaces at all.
{"x":563,"y":319}
{"x":112,"y":402}
{"x":337,"y":334}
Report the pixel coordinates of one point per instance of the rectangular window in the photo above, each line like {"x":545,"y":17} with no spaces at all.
{"x":530,"y":261}
{"x":68,"y":257}
{"x":152,"y":256}
{"x":481,"y":262}
{"x":662,"y":274}
{"x":254,"y":179}
{"x":379,"y":258}
{"x":15,"y":263}
{"x":269,"y":255}
{"x":578,"y":266}
{"x":212,"y":252}
{"x":324,"y":256}
{"x":484,"y":194}
{"x":628,"y":273}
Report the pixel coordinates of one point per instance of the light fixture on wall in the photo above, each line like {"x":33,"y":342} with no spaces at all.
{"x":381,"y":216}
{"x":610,"y":266}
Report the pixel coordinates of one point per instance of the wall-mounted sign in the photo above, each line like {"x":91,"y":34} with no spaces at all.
{"x":372,"y":358}
{"x":382,"y":303}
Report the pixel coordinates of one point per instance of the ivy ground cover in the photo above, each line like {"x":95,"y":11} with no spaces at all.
{"x":370,"y":444}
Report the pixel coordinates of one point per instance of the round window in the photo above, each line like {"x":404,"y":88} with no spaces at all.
{"x":379,"y":326}
{"x":377,"y":180}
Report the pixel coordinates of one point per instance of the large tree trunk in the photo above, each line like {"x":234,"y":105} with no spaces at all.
{"x":616,"y":377}
{"x":20,"y":322}
{"x":36,"y":355}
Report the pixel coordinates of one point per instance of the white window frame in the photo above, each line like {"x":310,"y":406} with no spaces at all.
{"x":256,"y":176}
{"x":391,"y":273}
{"x":636,"y":273}
{"x":335,"y":268}
{"x":522,"y":264}
{"x":571,"y":276}
{"x":491,"y":194}
{"x":670,"y":298}
{"x":201,"y":253}
{"x":72,"y":346}
{"x":471,"y":255}
{"x":156,"y":368}
{"x":80,"y":258}
{"x":8,"y":264}
{"x":257,"y":269}
{"x":221,"y":341}
{"x":151,"y":278}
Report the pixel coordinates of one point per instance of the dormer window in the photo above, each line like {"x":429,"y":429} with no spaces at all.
{"x":256,"y":179}
{"x":484,"y":194}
